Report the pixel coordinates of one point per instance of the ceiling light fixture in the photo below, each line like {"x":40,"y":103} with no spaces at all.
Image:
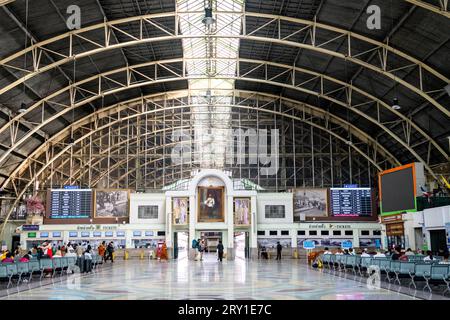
{"x":23,"y":108}
{"x":396,"y":105}
{"x":447,"y":89}
{"x":208,"y":19}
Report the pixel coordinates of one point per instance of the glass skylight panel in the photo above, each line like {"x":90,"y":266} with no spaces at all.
{"x":211,"y":62}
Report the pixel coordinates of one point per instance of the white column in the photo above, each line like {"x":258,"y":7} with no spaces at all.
{"x":192,"y":224}
{"x":230,"y":223}
{"x":254,"y":229}
{"x":168,"y":227}
{"x":128,"y":239}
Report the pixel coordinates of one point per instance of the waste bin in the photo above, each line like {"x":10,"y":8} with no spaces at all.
{"x":125,"y":255}
{"x":142,"y":254}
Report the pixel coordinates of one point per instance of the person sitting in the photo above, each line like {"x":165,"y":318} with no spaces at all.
{"x":26,"y":257}
{"x":409,"y":252}
{"x":327,"y":251}
{"x":396,"y":255}
{"x":445,"y":258}
{"x":403,"y":256}
{"x":9,"y":258}
{"x":351,"y":252}
{"x":70,"y":252}
{"x":339,"y":252}
{"x":58,"y":253}
{"x":346,"y":253}
{"x":264,"y":254}
{"x":365,"y":254}
{"x":379,"y":254}
{"x":429,"y":256}
{"x":3,"y":255}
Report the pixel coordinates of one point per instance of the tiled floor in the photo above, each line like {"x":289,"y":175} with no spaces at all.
{"x":208,"y":279}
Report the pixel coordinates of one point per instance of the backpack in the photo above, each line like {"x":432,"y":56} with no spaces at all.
{"x":194,"y":244}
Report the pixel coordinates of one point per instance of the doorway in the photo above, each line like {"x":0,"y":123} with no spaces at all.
{"x":180,"y":245}
{"x":212,"y":239}
{"x":438,"y":240}
{"x":15,"y":242}
{"x":242,"y":244}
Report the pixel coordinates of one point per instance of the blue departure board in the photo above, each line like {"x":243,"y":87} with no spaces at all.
{"x":350,"y":202}
{"x":70,"y":203}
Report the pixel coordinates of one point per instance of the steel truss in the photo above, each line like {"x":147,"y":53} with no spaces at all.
{"x":171,"y":70}
{"x":441,"y":8}
{"x":114,"y":143}
{"x":164,"y":27}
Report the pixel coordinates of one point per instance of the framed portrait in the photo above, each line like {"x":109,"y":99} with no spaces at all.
{"x":180,"y":211}
{"x":211,"y":204}
{"x":242,"y":212}
{"x":111,"y":203}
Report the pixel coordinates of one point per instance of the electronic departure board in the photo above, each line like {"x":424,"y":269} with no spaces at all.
{"x":350,"y":202}
{"x":70,"y":203}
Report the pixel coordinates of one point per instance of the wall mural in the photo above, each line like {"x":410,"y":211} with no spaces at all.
{"x":242,"y":211}
{"x":311,"y":202}
{"x":211,"y":204}
{"x":271,"y":243}
{"x":111,"y":203}
{"x":180,"y":207}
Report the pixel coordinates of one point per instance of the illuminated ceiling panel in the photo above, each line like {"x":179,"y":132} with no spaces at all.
{"x":216,"y":59}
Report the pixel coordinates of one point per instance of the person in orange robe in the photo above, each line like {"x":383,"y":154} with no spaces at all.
{"x":164,"y":252}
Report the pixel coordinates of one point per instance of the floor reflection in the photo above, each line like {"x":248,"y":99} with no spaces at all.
{"x":208,"y":279}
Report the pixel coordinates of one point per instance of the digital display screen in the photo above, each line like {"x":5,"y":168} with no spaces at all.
{"x":44,"y":234}
{"x":121,"y":233}
{"x":70,"y":203}
{"x":97,"y":234}
{"x":85,"y":234}
{"x":149,"y":233}
{"x":108,"y":234}
{"x":397,"y":192}
{"x":350,"y":202}
{"x":73,"y":234}
{"x":137,"y":233}
{"x":56,"y":234}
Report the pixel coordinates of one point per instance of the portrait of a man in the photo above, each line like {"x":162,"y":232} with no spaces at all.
{"x":210,"y":204}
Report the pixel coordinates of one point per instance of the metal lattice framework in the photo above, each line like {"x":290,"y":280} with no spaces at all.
{"x":172,"y":70}
{"x":334,"y":129}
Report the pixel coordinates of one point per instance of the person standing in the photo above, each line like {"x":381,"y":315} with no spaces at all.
{"x":279,"y":248}
{"x":101,"y":250}
{"x":110,"y":251}
{"x":202,"y":248}
{"x":220,"y":250}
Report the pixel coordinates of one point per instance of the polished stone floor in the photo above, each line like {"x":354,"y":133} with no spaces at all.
{"x":209,"y":279}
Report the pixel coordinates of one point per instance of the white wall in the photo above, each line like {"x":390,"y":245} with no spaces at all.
{"x":146,"y":199}
{"x":285,"y":199}
{"x":436,"y":217}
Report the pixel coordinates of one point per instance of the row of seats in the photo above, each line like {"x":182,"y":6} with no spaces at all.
{"x":416,"y":270}
{"x":26,"y":270}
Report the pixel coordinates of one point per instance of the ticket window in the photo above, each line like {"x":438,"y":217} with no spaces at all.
{"x":145,"y":243}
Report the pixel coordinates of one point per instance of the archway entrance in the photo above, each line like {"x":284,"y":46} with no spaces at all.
{"x":212,"y":239}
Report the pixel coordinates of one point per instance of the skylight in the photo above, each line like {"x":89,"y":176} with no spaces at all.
{"x":210,"y":60}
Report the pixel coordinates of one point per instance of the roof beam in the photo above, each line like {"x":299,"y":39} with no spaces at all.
{"x":352,"y":56}
{"x":443,"y":9}
{"x":33,"y":39}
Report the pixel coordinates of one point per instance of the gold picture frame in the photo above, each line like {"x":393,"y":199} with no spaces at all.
{"x":210,"y":206}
